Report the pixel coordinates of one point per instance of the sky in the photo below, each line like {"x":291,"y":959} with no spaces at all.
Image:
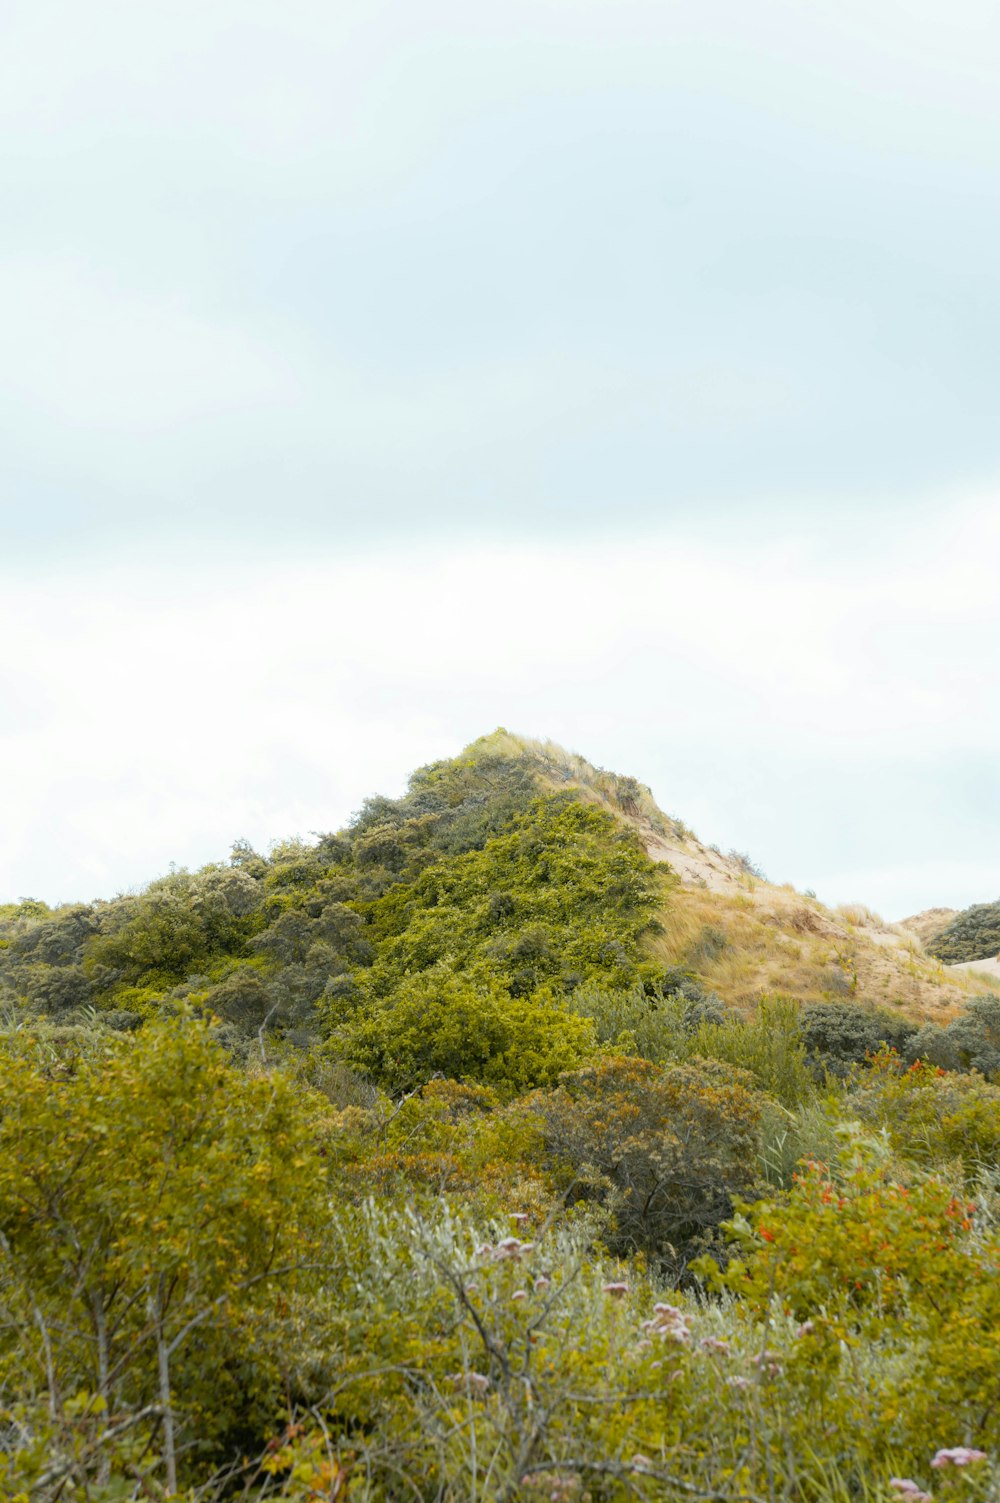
{"x":623,"y":373}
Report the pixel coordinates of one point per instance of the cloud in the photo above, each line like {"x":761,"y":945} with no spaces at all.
{"x":832,"y":711}
{"x":464,"y":270}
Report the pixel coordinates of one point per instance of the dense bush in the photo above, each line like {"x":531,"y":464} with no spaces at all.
{"x":505,"y":900}
{"x":154,"y":1206}
{"x":931,"y":1116}
{"x":377,"y":1167}
{"x":973,"y":935}
{"x":969,"y":1042}
{"x":862,"y":1259}
{"x":438,"y":1023}
{"x":664,"y":1149}
{"x":845,"y":1033}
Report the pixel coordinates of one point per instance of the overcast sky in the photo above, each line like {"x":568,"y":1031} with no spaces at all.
{"x":625,"y":373}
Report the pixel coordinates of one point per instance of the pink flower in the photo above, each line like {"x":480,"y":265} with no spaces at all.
{"x":542,"y":1282}
{"x":520,"y":1294}
{"x":669,"y":1323}
{"x":908,"y":1490}
{"x":616,"y":1291}
{"x":958,"y":1456}
{"x":767,"y":1364}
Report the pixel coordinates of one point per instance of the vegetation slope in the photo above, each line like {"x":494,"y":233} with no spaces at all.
{"x":509,"y":1143}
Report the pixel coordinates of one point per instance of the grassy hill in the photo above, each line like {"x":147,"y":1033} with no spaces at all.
{"x":517,"y":868}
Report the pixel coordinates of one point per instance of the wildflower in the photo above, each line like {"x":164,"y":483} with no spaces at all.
{"x":473,"y":1382}
{"x":738,"y":1383}
{"x":519,"y":1217}
{"x":767,"y":1364}
{"x":542,"y":1282}
{"x":908,"y":1490}
{"x":958,"y":1456}
{"x":805,"y":1329}
{"x":616,"y":1290}
{"x":713,"y":1344}
{"x":507,"y":1249}
{"x":668,"y":1323}
{"x":520,"y":1294}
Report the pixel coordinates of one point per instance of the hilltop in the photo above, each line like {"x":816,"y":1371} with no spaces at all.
{"x":314,"y":937}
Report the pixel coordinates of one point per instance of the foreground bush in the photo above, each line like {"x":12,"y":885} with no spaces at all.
{"x":870,"y":1266}
{"x":930,"y":1115}
{"x":155,"y":1209}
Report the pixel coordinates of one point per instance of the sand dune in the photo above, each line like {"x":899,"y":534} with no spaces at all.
{"x":984,"y":967}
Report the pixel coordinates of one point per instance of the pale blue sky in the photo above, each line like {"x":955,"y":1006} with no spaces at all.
{"x":291,"y":287}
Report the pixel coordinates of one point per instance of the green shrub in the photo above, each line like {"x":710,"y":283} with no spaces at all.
{"x":664,"y":1149}
{"x":969,"y":1042}
{"x":931,"y":1116}
{"x":973,"y":935}
{"x":845,"y":1033}
{"x":439,"y":1023}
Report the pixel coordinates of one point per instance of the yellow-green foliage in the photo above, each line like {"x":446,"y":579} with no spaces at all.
{"x":933,"y":1116}
{"x":378,"y":1168}
{"x":871,"y":1263}
{"x":150,"y":1196}
{"x":407,"y":1347}
{"x":475,"y":957}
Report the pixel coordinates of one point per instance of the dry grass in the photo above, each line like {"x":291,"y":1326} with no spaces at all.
{"x":778,"y":943}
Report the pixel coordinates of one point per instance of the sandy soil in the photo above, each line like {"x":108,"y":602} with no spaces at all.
{"x":984,"y":967}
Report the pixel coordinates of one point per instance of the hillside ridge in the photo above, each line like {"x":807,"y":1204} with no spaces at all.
{"x":778,"y":940}
{"x":304,"y":935}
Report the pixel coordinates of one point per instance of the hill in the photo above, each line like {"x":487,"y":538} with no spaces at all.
{"x":973,"y":934}
{"x":517,"y":867}
{"x":410,"y":1163}
{"x":928,"y":924}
